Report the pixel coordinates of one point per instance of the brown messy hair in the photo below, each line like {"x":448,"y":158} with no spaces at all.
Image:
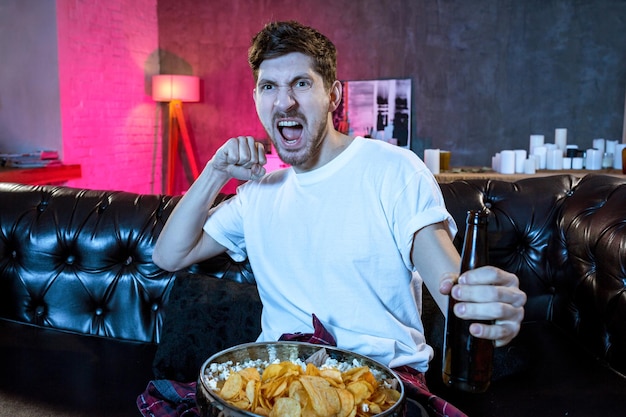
{"x":280,"y":38}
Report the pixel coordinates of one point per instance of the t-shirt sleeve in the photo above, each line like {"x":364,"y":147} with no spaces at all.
{"x":418,"y":205}
{"x":225,"y":225}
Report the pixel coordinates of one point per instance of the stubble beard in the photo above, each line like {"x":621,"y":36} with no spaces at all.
{"x":305,"y":155}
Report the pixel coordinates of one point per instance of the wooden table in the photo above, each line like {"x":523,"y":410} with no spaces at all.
{"x":55,"y":174}
{"x":481,"y":174}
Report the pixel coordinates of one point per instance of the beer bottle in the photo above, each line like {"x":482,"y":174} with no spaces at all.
{"x":468,"y":360}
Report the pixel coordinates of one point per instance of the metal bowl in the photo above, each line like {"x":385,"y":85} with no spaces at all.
{"x":211,"y":405}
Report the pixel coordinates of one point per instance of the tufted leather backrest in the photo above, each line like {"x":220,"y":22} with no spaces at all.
{"x":593,"y":228}
{"x":523,"y":236}
{"x":80,"y":260}
{"x":565,"y":238}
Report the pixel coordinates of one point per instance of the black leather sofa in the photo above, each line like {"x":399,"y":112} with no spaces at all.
{"x":86,"y":318}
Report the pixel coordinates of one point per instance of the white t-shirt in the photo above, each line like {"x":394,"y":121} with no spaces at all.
{"x":336,"y":242}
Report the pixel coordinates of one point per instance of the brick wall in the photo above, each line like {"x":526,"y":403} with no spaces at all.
{"x":107,"y":54}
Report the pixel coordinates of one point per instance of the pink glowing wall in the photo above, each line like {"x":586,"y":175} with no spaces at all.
{"x":107,"y":54}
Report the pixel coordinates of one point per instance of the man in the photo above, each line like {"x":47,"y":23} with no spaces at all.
{"x":344,"y":234}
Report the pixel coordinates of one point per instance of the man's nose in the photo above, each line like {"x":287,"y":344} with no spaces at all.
{"x":284,"y":98}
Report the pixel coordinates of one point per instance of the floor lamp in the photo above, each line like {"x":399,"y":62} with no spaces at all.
{"x":177,"y":89}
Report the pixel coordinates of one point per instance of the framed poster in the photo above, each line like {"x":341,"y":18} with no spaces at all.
{"x":380,"y":109}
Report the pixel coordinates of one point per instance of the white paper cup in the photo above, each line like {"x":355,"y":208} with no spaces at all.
{"x":520,"y":158}
{"x":431,"y":159}
{"x":593,"y":161}
{"x":577,"y":162}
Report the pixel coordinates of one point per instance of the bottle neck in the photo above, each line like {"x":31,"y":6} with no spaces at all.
{"x":475,"y":251}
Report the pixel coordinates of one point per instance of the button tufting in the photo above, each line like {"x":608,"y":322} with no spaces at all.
{"x":70,"y":259}
{"x":128,"y":260}
{"x":39,"y":311}
{"x":99,"y":311}
{"x":155,"y":307}
{"x":14,"y":254}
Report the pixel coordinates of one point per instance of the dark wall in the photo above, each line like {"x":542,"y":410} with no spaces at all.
{"x":486,"y":74}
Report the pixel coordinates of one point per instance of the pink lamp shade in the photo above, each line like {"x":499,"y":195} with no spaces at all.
{"x":175,"y":87}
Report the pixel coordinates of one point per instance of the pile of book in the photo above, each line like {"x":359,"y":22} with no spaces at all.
{"x":35,"y":159}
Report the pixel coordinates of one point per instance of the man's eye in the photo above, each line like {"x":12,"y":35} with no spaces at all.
{"x":267,"y":87}
{"x":303,"y":85}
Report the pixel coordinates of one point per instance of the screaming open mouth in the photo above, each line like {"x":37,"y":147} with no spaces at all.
{"x":290,"y":130}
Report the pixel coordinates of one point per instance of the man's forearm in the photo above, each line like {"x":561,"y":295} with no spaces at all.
{"x":182,"y":241}
{"x":433,"y":255}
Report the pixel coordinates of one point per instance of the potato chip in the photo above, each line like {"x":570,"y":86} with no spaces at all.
{"x":250,"y":374}
{"x":309,"y":412}
{"x":312,"y":370}
{"x":261,"y":411}
{"x":333,"y":376}
{"x":361,"y":390}
{"x":385,"y":396}
{"x":348,"y":406}
{"x":265,"y":403}
{"x":361,"y":373}
{"x":371,"y":379}
{"x":286,"y":407}
{"x":297,"y":392}
{"x":279,"y":369}
{"x":323,"y":397}
{"x":275,"y":388}
{"x":273,"y":370}
{"x":355,"y":373}
{"x":374,"y":408}
{"x":252,"y":393}
{"x":244,"y":404}
{"x":232,"y":386}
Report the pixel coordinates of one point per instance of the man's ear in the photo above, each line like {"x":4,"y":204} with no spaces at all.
{"x":336,"y":93}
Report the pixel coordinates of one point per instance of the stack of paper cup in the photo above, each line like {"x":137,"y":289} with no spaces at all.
{"x":507,"y":162}
{"x":535,"y":141}
{"x":617,"y":158}
{"x":520,"y":158}
{"x":593,"y":161}
{"x":554,"y":159}
{"x":495,"y":162}
{"x":567,"y":162}
{"x":610,"y":146}
{"x":431,"y":159}
{"x":541,"y":152}
{"x":530,"y":165}
{"x":560,"y":138}
{"x":577,"y":162}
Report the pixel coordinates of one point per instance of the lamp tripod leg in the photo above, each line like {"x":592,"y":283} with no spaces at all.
{"x":177,"y":125}
{"x":172,"y":151}
{"x":186,"y":140}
